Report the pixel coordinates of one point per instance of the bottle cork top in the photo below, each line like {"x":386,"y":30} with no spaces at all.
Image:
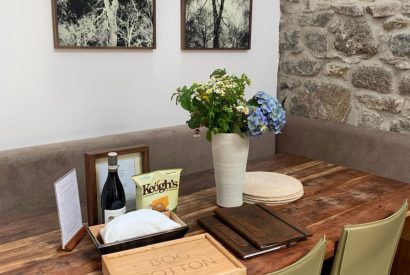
{"x":112,"y":160}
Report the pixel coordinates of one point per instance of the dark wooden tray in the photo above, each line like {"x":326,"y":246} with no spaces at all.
{"x":261,"y":226}
{"x":94,"y":233}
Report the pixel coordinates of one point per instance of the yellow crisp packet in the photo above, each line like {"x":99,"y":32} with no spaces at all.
{"x":158,"y":190}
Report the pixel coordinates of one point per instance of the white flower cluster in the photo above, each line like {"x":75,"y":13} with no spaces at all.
{"x":242,"y":109}
{"x":219,"y":85}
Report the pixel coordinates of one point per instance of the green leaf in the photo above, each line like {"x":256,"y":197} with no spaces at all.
{"x":209,"y":135}
{"x":185,"y":101}
{"x":236,"y":129}
{"x":283,"y":101}
{"x":173,"y":95}
{"x":227,"y":109}
{"x":194,"y":122}
{"x":252,"y":102}
{"x":218,"y":72}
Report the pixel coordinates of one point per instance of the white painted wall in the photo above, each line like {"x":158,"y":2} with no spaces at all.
{"x":49,"y":95}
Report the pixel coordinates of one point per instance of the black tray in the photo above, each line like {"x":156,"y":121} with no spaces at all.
{"x":94,"y":233}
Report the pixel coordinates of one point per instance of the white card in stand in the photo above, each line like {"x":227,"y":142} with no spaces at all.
{"x":69,"y":210}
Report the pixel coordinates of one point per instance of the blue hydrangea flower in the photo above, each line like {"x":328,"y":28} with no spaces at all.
{"x":267,"y":115}
{"x":257,"y":122}
{"x":266,"y":102}
{"x":277,"y":120}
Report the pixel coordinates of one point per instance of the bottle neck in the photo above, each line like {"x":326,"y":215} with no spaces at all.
{"x":113,"y":178}
{"x":112,"y":171}
{"x":113,"y":167}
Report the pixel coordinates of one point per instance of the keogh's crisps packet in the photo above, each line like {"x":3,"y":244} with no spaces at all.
{"x":158,"y":190}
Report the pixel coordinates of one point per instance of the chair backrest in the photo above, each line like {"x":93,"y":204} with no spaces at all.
{"x":369,"y":249}
{"x":310,"y":264}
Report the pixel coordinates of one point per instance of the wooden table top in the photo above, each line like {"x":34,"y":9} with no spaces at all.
{"x":334,"y":196}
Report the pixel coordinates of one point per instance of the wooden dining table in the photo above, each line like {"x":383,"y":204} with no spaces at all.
{"x":334,"y":196}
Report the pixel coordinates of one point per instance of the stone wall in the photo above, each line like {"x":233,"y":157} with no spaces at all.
{"x":347,"y":61}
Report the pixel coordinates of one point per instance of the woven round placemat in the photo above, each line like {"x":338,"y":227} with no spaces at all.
{"x":270,"y":187}
{"x":273,"y":203}
{"x":284,"y":198}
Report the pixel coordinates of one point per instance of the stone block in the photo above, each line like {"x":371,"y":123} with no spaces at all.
{"x":406,"y":109}
{"x":370,"y":119}
{"x":399,"y":44}
{"x":400,"y":63}
{"x":355,"y":37}
{"x":300,"y":105}
{"x":336,"y":70}
{"x":323,"y":101}
{"x":311,"y":86}
{"x":389,"y":104}
{"x":283,"y":95}
{"x":300,"y":65}
{"x":405,"y":7}
{"x":290,"y":42}
{"x":396,"y":23}
{"x":316,"y":41}
{"x":404,"y":86}
{"x":319,"y":19}
{"x":373,"y":78}
{"x":290,"y":6}
{"x":383,"y":8}
{"x":400,"y":125}
{"x":350,"y":9}
{"x":288,"y":82}
{"x":336,"y":101}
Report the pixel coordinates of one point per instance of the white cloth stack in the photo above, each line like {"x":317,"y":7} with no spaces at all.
{"x":136,"y":224}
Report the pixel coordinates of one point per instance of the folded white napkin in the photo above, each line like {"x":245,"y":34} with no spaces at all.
{"x":136,"y":224}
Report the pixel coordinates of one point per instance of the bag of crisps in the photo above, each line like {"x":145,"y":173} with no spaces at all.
{"x":158,"y":190}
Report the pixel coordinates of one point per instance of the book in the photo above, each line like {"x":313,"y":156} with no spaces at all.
{"x":261,"y":226}
{"x":232,"y":240}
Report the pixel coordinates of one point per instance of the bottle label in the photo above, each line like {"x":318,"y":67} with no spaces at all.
{"x":109,"y":215}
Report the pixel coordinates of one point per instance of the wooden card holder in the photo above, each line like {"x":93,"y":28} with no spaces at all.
{"x":76,"y":239}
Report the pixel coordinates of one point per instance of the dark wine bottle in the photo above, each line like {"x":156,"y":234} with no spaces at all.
{"x":112,"y":196}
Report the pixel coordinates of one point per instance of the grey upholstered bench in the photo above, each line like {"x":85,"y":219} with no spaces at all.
{"x":27,"y":174}
{"x":374,"y":151}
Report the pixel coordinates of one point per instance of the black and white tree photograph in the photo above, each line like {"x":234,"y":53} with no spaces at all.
{"x":104,"y":23}
{"x":216,"y":24}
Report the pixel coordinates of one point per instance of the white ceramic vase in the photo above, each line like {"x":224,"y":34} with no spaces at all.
{"x":230,"y":155}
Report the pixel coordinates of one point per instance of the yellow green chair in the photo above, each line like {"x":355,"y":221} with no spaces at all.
{"x":369,"y":249}
{"x":310,"y":264}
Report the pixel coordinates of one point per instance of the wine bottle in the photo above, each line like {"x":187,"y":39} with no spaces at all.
{"x":112,"y":196}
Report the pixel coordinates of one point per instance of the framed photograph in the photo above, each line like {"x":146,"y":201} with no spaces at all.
{"x":104,"y":24}
{"x":132,"y":160}
{"x":216,"y":24}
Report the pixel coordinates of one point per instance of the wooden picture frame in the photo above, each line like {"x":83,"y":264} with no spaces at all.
{"x":96,"y":164}
{"x":233,"y":33}
{"x":83,"y":25}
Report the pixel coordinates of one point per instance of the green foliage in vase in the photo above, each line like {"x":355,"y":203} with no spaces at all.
{"x":217,"y":104}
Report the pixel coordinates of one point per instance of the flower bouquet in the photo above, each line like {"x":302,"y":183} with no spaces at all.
{"x":219,"y":104}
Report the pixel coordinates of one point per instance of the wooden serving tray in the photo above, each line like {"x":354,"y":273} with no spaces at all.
{"x":199,"y":255}
{"x":94,"y":233}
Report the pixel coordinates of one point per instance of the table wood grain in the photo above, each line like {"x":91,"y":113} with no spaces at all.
{"x":334,"y":196}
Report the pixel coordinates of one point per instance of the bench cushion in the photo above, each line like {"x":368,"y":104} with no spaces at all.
{"x":374,"y":151}
{"x":28,"y":174}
